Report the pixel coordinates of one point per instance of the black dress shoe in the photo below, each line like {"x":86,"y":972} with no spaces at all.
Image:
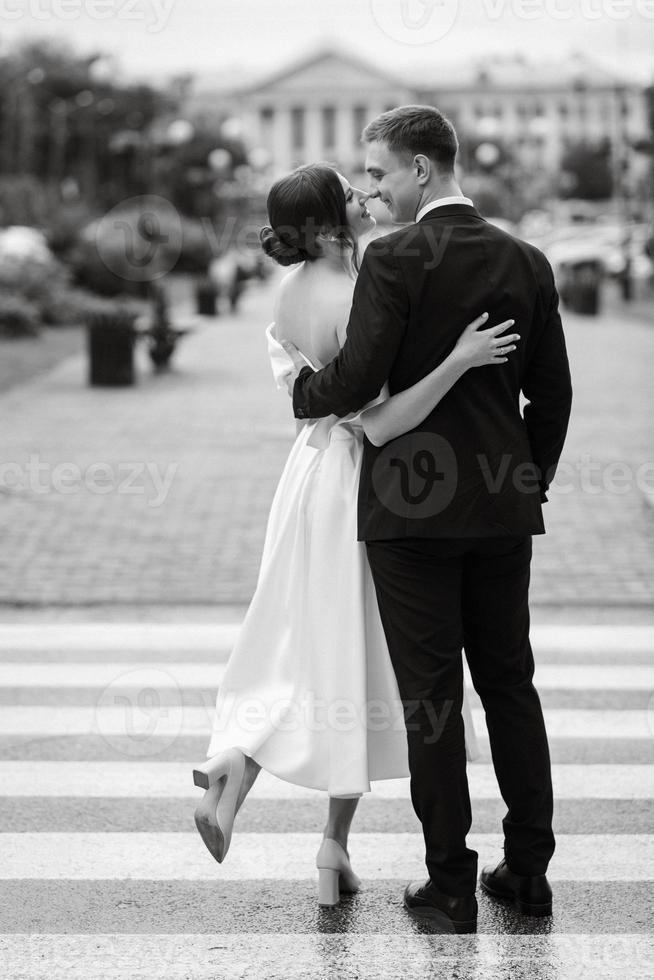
{"x":450,"y":913}
{"x":531,"y":894}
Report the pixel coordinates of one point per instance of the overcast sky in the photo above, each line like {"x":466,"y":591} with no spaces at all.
{"x":157,"y":37}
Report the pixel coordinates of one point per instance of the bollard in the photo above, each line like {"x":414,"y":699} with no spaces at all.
{"x":206,"y":296}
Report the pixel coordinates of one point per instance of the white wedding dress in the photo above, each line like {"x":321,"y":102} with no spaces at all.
{"x":309,"y":691}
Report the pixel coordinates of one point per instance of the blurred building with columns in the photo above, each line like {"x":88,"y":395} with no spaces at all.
{"x":316,"y":108}
{"x":313,"y":110}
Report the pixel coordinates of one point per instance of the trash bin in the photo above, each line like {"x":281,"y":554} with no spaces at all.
{"x":206,"y":296}
{"x":580,"y":289}
{"x":111,"y":338}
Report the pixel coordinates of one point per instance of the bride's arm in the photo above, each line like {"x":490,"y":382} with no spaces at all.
{"x":404,"y":411}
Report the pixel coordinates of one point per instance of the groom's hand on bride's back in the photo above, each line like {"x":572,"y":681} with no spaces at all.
{"x":298,"y":364}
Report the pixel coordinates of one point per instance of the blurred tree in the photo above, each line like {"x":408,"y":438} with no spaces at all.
{"x":60,"y":116}
{"x":647,"y":145}
{"x":187,"y":175}
{"x":586,"y":171}
{"x":495,"y":177}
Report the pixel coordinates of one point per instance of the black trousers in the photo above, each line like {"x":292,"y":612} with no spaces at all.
{"x":436,"y":596}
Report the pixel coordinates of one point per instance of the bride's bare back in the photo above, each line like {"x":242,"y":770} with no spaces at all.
{"x":312,"y":310}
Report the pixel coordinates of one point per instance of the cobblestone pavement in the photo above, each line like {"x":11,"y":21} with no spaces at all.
{"x":83,"y":521}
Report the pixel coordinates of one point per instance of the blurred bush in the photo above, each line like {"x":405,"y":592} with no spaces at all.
{"x":586,"y":170}
{"x":65,"y":224}
{"x":32,"y":278}
{"x":33,"y":281}
{"x":18,"y":317}
{"x":118,"y":314}
{"x":68,"y":306}
{"x":91,"y":271}
{"x":104,"y":257}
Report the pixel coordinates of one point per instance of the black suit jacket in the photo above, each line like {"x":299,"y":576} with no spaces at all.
{"x":475,"y":467}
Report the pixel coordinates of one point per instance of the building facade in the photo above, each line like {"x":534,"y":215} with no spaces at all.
{"x":540,"y":109}
{"x":316,"y":109}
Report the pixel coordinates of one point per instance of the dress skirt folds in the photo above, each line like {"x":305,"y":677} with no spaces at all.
{"x":309,"y":690}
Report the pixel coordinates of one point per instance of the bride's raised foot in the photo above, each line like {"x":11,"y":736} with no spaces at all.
{"x":222,"y":775}
{"x":218,"y":766}
{"x":335,"y":874}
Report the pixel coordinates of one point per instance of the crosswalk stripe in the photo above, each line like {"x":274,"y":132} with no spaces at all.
{"x":323,"y":956}
{"x":73,"y":693}
{"x":289,"y":906}
{"x":220,"y":655}
{"x":180,"y":856}
{"x":162,"y":676}
{"x":107,"y":636}
{"x":182,"y":676}
{"x":160,"y":780}
{"x":143,"y":722}
{"x":191,"y":748}
{"x":93,"y":814}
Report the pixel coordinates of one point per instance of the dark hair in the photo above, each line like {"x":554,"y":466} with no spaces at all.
{"x":306,"y":202}
{"x":412,"y":129}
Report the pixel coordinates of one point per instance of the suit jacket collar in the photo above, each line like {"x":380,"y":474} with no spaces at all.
{"x":451,"y":211}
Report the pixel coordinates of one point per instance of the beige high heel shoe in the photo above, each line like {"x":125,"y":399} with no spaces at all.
{"x":222,"y":777}
{"x":335,"y":874}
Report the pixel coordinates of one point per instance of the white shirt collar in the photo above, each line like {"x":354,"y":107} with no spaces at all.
{"x":441,"y":203}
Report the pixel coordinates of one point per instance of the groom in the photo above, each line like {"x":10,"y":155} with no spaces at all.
{"x":447,"y":511}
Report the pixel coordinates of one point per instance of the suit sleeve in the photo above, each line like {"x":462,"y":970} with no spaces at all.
{"x":547,"y":386}
{"x":377,"y":324}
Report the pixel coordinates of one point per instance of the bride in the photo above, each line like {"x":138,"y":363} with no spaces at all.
{"x":309,"y":693}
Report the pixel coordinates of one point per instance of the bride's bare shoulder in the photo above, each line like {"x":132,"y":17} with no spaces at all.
{"x":332,"y":291}
{"x":312,"y":287}
{"x":287,"y":290}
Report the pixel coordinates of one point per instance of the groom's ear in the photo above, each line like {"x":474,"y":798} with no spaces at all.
{"x":423,"y":167}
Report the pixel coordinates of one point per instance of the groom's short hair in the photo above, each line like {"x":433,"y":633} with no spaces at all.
{"x":412,"y":129}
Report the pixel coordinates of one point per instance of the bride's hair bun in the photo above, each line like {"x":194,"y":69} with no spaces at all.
{"x":283,"y":252}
